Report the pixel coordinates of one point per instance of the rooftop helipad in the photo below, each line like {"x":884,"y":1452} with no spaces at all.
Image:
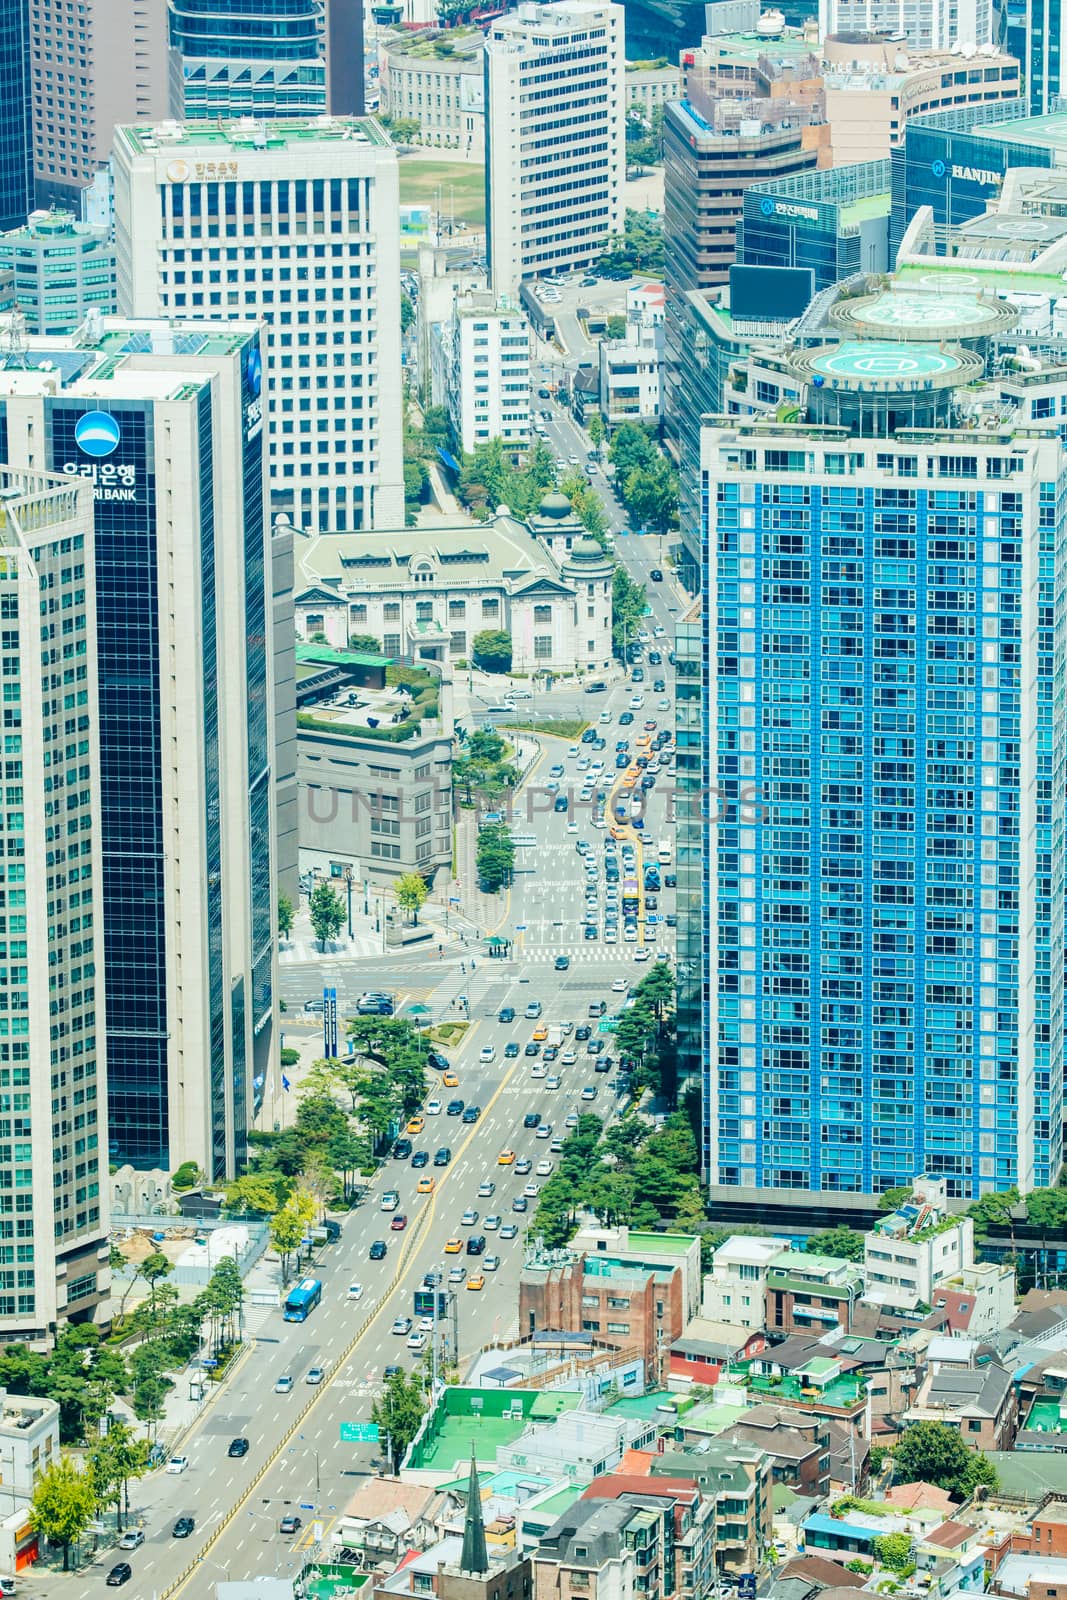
{"x":870,"y":364}
{"x":909,"y":314}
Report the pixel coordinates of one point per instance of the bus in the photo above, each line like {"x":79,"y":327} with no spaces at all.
{"x":302,"y":1300}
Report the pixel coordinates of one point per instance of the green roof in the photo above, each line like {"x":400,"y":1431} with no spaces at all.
{"x":976,"y":276}
{"x":326,"y":656}
{"x":249,"y":135}
{"x":862,"y":210}
{"x":672,"y":1244}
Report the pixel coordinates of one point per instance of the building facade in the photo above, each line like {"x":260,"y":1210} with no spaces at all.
{"x":649,"y":85}
{"x":480,"y":371}
{"x":555,"y":138}
{"x":172,"y":442}
{"x":29,"y":1444}
{"x":630,"y":368}
{"x":438,"y":81}
{"x":296,"y":225}
{"x":922,"y":24}
{"x":266,"y":59}
{"x":879,"y":1007}
{"x":836,"y":223}
{"x":62,"y":268}
{"x":108,"y":66}
{"x":16,"y":159}
{"x":54,"y":1212}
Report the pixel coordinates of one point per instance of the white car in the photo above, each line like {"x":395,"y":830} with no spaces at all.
{"x":486,"y":1189}
{"x":417,"y":1342}
{"x":539,"y":1070}
{"x":605,"y":716}
{"x":658,"y":632}
{"x":544,"y":1131}
{"x":636,"y":702}
{"x":565,"y":1029}
{"x":544,"y":1168}
{"x":177,"y":1464}
{"x":641,"y":954}
{"x":532,"y":1190}
{"x":619,"y":985}
{"x":355,"y":1291}
{"x":568,"y":1058}
{"x":487,"y":1052}
{"x":425,"y":1324}
{"x":552,"y":1082}
{"x":433,"y":1108}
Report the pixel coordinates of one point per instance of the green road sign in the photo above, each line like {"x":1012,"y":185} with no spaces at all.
{"x":359,"y":1433}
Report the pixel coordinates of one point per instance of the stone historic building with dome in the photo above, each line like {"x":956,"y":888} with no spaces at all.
{"x":425,"y":593}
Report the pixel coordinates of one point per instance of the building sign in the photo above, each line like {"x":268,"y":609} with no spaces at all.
{"x":82,"y":444}
{"x":982,"y":175}
{"x":784,"y":208}
{"x":329,"y":1024}
{"x":253,"y":386}
{"x":200,"y":171}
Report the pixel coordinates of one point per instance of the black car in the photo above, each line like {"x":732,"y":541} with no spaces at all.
{"x":589,"y":931}
{"x":472,"y":1113}
{"x":588,"y":735}
{"x":511,"y":1049}
{"x":442,"y":1157}
{"x":562,"y":963}
{"x":621,"y":760}
{"x":626,"y":719}
{"x":291,"y":1524}
{"x":655,"y":659}
{"x":506,"y":1014}
{"x":638,"y":675}
{"x":378,"y":1250}
{"x":374,"y":1008}
{"x":120,"y":1573}
{"x":659,"y":687}
{"x":437,"y":1060}
{"x":421,"y":1158}
{"x":671,"y":920}
{"x":389,"y":1372}
{"x":594,"y":1047}
{"x":401,"y":1149}
{"x":238,"y":1447}
{"x":532,"y":1119}
{"x":651,"y":902}
{"x":603,"y":1064}
{"x":551,"y":1052}
{"x":454,"y":1108}
{"x":656,"y":575}
{"x":183,"y":1527}
{"x":532,"y":1049}
{"x":670,"y":880}
{"x":476,"y":1244}
{"x":600,"y":744}
{"x":583,"y":1031}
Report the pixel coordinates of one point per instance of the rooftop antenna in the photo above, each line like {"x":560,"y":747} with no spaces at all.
{"x":13,"y":350}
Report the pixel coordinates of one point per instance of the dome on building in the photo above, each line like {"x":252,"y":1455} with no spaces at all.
{"x":585,"y":549}
{"x":555,"y":505}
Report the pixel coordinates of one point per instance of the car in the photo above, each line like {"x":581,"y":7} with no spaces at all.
{"x":636,"y":702}
{"x":183,"y":1528}
{"x":562,"y":963}
{"x":594,"y":1047}
{"x":659,"y":685}
{"x":290,"y":1524}
{"x":641,"y":954}
{"x":655,"y":659}
{"x":602,"y":1064}
{"x":510,"y":1230}
{"x":671,"y":920}
{"x":572,"y":1120}
{"x":469,"y":1218}
{"x":378,"y":1250}
{"x":390,"y":1199}
{"x":490,"y":1263}
{"x":589,"y":1092}
{"x":590,"y":931}
{"x":283,"y":1385}
{"x":415,"y":1125}
{"x":477,"y":1282}
{"x":511,"y":1050}
{"x":506,"y":1014}
{"x":622,"y":761}
{"x":568,"y":1058}
{"x":132,"y":1539}
{"x":472,"y":1113}
{"x":663,"y":705}
{"x":417,"y":1341}
{"x":425,"y":1324}
{"x":520,"y":1203}
{"x":532,"y":1048}
{"x":486,"y":1189}
{"x":556,"y":771}
{"x":177,"y":1464}
{"x":544,"y":1131}
{"x":539,"y":1070}
{"x":588,"y":735}
{"x":402,"y":1149}
{"x":582,"y":1032}
{"x":433,"y":1108}
{"x":670,"y":880}
{"x":531,"y":1190}
{"x":398,"y":1222}
{"x":442,"y":1157}
{"x":426,"y":1184}
{"x":476,"y":1244}
{"x":625,"y":719}
{"x":656,"y":575}
{"x":659,"y":631}
{"x":523,"y":1165}
{"x":401,"y":1327}
{"x":619,"y":985}
{"x":391,"y":1370}
{"x":491,"y":1222}
{"x":457,"y":1274}
{"x":455,"y":1108}
{"x":561,"y":803}
{"x":450,"y":1080}
{"x":553,"y":1081}
{"x":540,"y":1032}
{"x":238,"y":1447}
{"x":120,"y":1573}
{"x":487,"y":1053}
{"x":421,"y":1158}
{"x":556,"y":1146}
{"x":533,"y":1010}
{"x":506,"y":1158}
{"x":454,"y":1245}
{"x":315,"y":1376}
{"x":436,"y":1060}
{"x":531,"y":1119}
{"x":551,"y":1052}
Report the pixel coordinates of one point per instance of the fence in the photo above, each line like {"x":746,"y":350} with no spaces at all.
{"x":197,"y":1274}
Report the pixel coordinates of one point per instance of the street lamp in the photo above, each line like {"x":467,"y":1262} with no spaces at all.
{"x":348,"y":886}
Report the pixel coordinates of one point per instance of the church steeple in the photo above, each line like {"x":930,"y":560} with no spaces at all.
{"x":474,"y":1558}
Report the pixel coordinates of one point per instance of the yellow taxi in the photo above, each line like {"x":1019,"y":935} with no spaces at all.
{"x":477,"y":1282}
{"x":541,"y":1031}
{"x":425,"y":1185}
{"x":505,"y":1158}
{"x":450,"y":1080}
{"x":453,"y":1247}
{"x":415,"y":1125}
{"x":619,"y":830}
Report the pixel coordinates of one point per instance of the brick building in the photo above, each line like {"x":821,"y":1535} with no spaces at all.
{"x":624,"y":1307}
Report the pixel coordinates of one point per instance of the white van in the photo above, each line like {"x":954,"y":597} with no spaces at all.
{"x":664,"y":853}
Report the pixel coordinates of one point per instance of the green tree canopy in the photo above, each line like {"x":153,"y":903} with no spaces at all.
{"x":495,"y":856}
{"x":894,"y":1550}
{"x":286,"y":915}
{"x":840,"y":1241}
{"x":327,"y":912}
{"x":64,"y":1503}
{"x":399,"y":1411}
{"x":930,"y":1452}
{"x":411,"y":892}
{"x":491,"y":650}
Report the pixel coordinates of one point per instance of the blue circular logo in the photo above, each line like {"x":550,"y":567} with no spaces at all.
{"x":938,"y":168}
{"x":766,"y":206}
{"x":254,"y":370}
{"x":97,"y":433}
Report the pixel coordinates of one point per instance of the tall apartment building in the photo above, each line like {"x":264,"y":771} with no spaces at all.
{"x":92,"y":64}
{"x":555,"y":137}
{"x":166,"y":427}
{"x":53,"y":1081}
{"x":264,"y":59}
{"x":923,"y":24}
{"x":480,"y":370}
{"x":62,"y":269}
{"x":295,"y":224}
{"x":16,"y":165}
{"x":878,"y":917}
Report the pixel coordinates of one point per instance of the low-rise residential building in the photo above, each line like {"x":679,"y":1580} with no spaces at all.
{"x":915,"y":1247}
{"x":806,"y":1293}
{"x":736,"y":1479}
{"x":978,"y":1300}
{"x":425,"y":593}
{"x":630,"y":376}
{"x":640,"y":1247}
{"x":706,"y":1348}
{"x":480,"y":370}
{"x":734,"y":1289}
{"x":62,"y":268}
{"x":576,"y":1446}
{"x":979,"y":1401}
{"x":29,"y":1442}
{"x":671,"y":1532}
{"x":797,"y":1447}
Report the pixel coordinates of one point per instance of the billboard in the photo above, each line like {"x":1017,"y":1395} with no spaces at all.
{"x":770,"y":294}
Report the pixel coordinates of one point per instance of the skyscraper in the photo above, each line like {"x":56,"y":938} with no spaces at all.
{"x":878,"y":624}
{"x":167,"y":428}
{"x":263,"y":58}
{"x":922,"y":24}
{"x":53,"y":1113}
{"x":297,"y":224}
{"x":555,"y":137}
{"x":16,"y":168}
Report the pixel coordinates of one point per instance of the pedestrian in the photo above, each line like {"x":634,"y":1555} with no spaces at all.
{"x":440,"y":949}
{"x":473,"y":963}
{"x":463,"y":968}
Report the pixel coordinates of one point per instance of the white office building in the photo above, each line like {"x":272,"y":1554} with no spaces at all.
{"x":296,"y":224}
{"x":919,"y":24}
{"x":555,"y":136}
{"x":53,"y":1081}
{"x":166,"y":425}
{"x":480,"y":370}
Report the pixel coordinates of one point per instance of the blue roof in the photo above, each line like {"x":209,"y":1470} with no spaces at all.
{"x":819,"y":1522}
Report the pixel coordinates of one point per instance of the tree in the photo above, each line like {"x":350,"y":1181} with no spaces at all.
{"x":399,"y":1412}
{"x":116,"y":1458}
{"x":365,"y":641}
{"x":63,"y":1505}
{"x":407,"y":309}
{"x":286,"y":1232}
{"x":840,"y":1241}
{"x":486,"y":747}
{"x":404,"y":130}
{"x":894,"y":1551}
{"x":154,"y":1269}
{"x":411,"y":892}
{"x":651,"y":494}
{"x":327,"y":912}
{"x":639,"y":248}
{"x":255,"y":1193}
{"x":595,"y":429}
{"x":615,"y":327}
{"x":656,"y":989}
{"x":628,"y":601}
{"x":491,"y":650}
{"x":495,"y":856}
{"x":149,"y":1393}
{"x":929,"y":1452}
{"x":286,"y":916}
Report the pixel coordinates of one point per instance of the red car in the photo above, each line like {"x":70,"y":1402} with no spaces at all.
{"x":399,"y":1222}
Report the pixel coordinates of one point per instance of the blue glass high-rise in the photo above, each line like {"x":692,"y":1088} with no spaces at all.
{"x":15,"y":143}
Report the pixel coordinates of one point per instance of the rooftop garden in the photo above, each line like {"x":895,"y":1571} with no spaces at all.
{"x":423,"y":704}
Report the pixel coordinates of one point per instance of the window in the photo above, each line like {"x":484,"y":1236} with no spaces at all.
{"x":542,"y":614}
{"x":391,"y":611}
{"x":424,"y":611}
{"x":457,"y":643}
{"x":542,"y":647}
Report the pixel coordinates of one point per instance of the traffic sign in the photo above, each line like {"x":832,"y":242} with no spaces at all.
{"x":453,"y":899}
{"x":520,"y":927}
{"x":359,"y":1433}
{"x":746,"y":1586}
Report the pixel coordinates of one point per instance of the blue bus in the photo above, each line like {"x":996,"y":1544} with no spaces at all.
{"x":302,"y":1300}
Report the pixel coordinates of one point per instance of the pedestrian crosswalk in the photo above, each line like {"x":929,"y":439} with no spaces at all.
{"x":585,"y":951}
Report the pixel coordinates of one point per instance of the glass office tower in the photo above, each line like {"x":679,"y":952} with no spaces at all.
{"x":262,"y":58}
{"x":878,"y":920}
{"x":16,"y":162}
